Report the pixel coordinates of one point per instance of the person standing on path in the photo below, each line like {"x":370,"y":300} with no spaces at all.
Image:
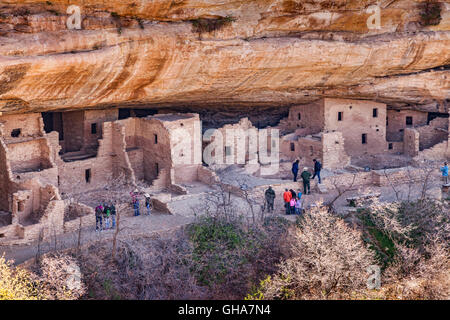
{"x":148,"y":203}
{"x":444,"y":171}
{"x":287,"y":196}
{"x":295,"y":169}
{"x":317,"y":168}
{"x":305,"y":177}
{"x":136,"y":207}
{"x":98,"y":218}
{"x":270,"y":198}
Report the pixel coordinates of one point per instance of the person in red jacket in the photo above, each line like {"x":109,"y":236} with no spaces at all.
{"x":287,"y":196}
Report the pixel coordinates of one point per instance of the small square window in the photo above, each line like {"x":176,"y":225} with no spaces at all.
{"x":375,"y":112}
{"x":340,"y":116}
{"x":16,"y":133}
{"x":364,"y":138}
{"x":409,"y":121}
{"x":93,"y":128}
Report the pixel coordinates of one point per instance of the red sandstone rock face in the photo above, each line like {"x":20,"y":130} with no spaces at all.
{"x":268,"y":52}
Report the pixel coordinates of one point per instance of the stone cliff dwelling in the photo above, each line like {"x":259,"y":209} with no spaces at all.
{"x":47,"y":158}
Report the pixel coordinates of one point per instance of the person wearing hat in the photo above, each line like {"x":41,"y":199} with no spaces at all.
{"x":270,"y":198}
{"x":148,"y":203}
{"x":305,"y":177}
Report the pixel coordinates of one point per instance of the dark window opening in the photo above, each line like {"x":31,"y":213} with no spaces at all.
{"x":16,"y":133}
{"x":378,"y":130}
{"x":340,"y":116}
{"x":2,"y":235}
{"x":409,"y":121}
{"x":87,"y":175}
{"x":434,"y":115}
{"x":401,"y":130}
{"x":20,"y":206}
{"x":156,"y":139}
{"x":299,"y":116}
{"x":124,"y":113}
{"x":53,"y":122}
{"x":387,"y":121}
{"x":391,"y":146}
{"x":157,"y":169}
{"x":93,"y":128}
{"x":292,"y":146}
{"x":375,"y":113}
{"x":364,"y":138}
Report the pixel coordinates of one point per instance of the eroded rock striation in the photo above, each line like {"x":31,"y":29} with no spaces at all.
{"x":210,"y":52}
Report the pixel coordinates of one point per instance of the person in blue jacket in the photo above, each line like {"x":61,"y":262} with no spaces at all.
{"x":295,"y":169}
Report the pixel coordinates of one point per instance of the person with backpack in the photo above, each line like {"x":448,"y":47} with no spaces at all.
{"x":98,"y":218}
{"x":305,"y":177}
{"x":106,"y":215}
{"x":113,"y":215}
{"x":287,"y":196}
{"x":317,"y":168}
{"x":270,"y":198}
{"x":295,"y":169}
{"x":148,"y":203}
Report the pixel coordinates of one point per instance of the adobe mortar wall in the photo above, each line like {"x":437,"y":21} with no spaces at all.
{"x":429,"y":135}
{"x":396,"y":122}
{"x":357,"y":119}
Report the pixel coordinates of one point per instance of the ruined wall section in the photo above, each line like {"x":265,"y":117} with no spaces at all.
{"x":5,"y":177}
{"x":155,"y":141}
{"x":333,"y":154}
{"x":433,"y":133}
{"x":94,"y":119}
{"x":309,"y":118}
{"x":73,"y":124}
{"x":397,"y":123}
{"x":411,"y":142}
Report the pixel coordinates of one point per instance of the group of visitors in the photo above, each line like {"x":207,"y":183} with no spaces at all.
{"x":292,"y":201}
{"x":136,"y":204}
{"x":306,"y":175}
{"x":105,"y":213}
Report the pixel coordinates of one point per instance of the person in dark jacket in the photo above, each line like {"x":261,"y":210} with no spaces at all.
{"x":305,"y":177}
{"x":295,"y":169}
{"x":98,"y":218}
{"x":317,"y":168}
{"x":270,"y":198}
{"x":148,"y":203}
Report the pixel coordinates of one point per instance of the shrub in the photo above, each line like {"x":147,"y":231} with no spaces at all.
{"x":18,"y":283}
{"x":327,"y":260}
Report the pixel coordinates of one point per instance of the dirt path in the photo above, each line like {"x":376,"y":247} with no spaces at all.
{"x":130,"y":227}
